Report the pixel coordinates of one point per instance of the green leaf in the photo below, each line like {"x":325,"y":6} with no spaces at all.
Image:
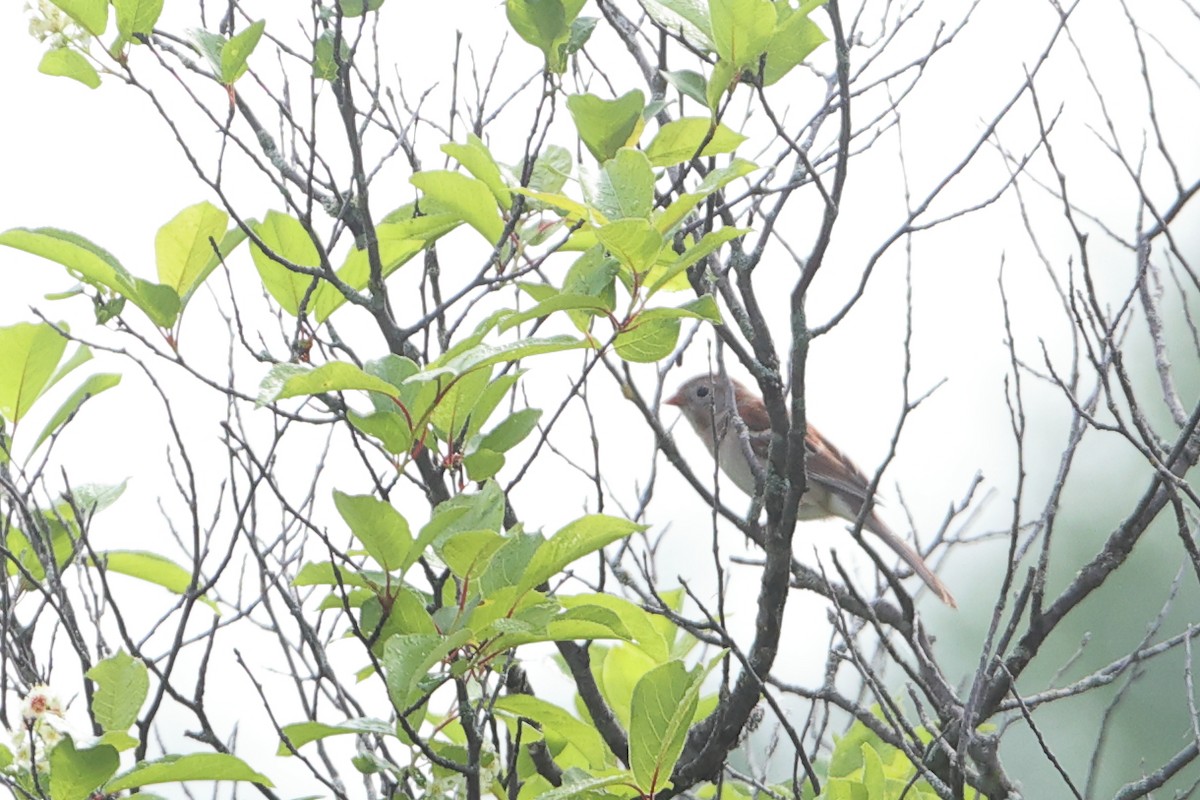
{"x":475,"y":156}
{"x":573,"y":541}
{"x":323,"y":573}
{"x":92,"y":15}
{"x":516,"y":631}
{"x":468,"y":553}
{"x":453,"y":410}
{"x":625,"y":186}
{"x":593,"y":274}
{"x":572,"y":210}
{"x":390,"y":429}
{"x":228,"y":243}
{"x":97,"y":267}
{"x":707,"y":245}
{"x":408,"y":658}
{"x":122,"y":683}
{"x":795,"y":38}
{"x":92,"y":498}
{"x":293,"y":380}
{"x":468,"y":511}
{"x":301,"y":733}
{"x":547,"y":25}
{"x":468,"y":197}
{"x":581,"y":31}
{"x":512,"y":431}
{"x":286,"y":239}
{"x":237,"y":50}
{"x":191,"y":767}
{"x":633,"y":242}
{"x":211,"y":45}
{"x":482,"y":464}
{"x":638,"y":621}
{"x":558,"y":302}
{"x":688,"y":17}
{"x":67,"y":63}
{"x":873,"y":777}
{"x":688,"y":83}
{"x":75,"y":774}
{"x":382,"y":530}
{"x":662,"y":707}
{"x":28,"y":355}
{"x":557,"y":724}
{"x":183,"y":250}
{"x":489,"y":399}
{"x":325,"y":66}
{"x":398,"y":243}
{"x":607,"y":125}
{"x":716,"y":179}
{"x":121,"y":741}
{"x":509,"y":566}
{"x":723,"y":79}
{"x":741,"y":30}
{"x":356,"y":8}
{"x":136,"y":17}
{"x":681,"y":139}
{"x":151,"y":568}
{"x":551,"y":169}
{"x":648,"y":339}
{"x":486,"y":355}
{"x":586,"y":787}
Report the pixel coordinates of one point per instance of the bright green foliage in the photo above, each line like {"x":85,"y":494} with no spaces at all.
{"x":77,"y":773}
{"x":795,"y":38}
{"x":92,"y":15}
{"x":97,"y":267}
{"x":478,"y":160}
{"x":663,"y":704}
{"x":285,"y":244}
{"x":294,"y":380}
{"x":151,"y":568}
{"x":136,"y":17}
{"x":740,"y":33}
{"x":302,"y":733}
{"x":864,"y":767}
{"x":605,"y":126}
{"x":469,"y":198}
{"x":28,"y":355}
{"x":380,"y":528}
{"x":356,"y":8}
{"x":551,"y":26}
{"x":122,"y":683}
{"x":191,"y":767}
{"x":184,"y":247}
{"x":29,"y":367}
{"x":498,"y":604}
{"x":228,"y":57}
{"x":325,"y":65}
{"x":684,"y":139}
{"x":629,"y":225}
{"x":68,"y":63}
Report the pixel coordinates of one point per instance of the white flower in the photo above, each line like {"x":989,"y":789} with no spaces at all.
{"x":40,"y":702}
{"x":48,"y":23}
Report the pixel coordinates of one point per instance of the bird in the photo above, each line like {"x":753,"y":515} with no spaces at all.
{"x":836,"y":487}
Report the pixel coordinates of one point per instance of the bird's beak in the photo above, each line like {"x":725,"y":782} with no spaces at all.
{"x":676,"y":399}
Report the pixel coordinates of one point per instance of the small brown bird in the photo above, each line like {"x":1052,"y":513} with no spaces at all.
{"x":836,"y":487}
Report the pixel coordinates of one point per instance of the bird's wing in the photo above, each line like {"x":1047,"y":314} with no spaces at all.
{"x":830,"y":469}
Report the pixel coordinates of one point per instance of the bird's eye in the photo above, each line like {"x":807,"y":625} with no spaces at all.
{"x":702,"y":391}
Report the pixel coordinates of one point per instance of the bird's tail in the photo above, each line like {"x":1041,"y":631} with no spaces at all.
{"x":911,"y":557}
